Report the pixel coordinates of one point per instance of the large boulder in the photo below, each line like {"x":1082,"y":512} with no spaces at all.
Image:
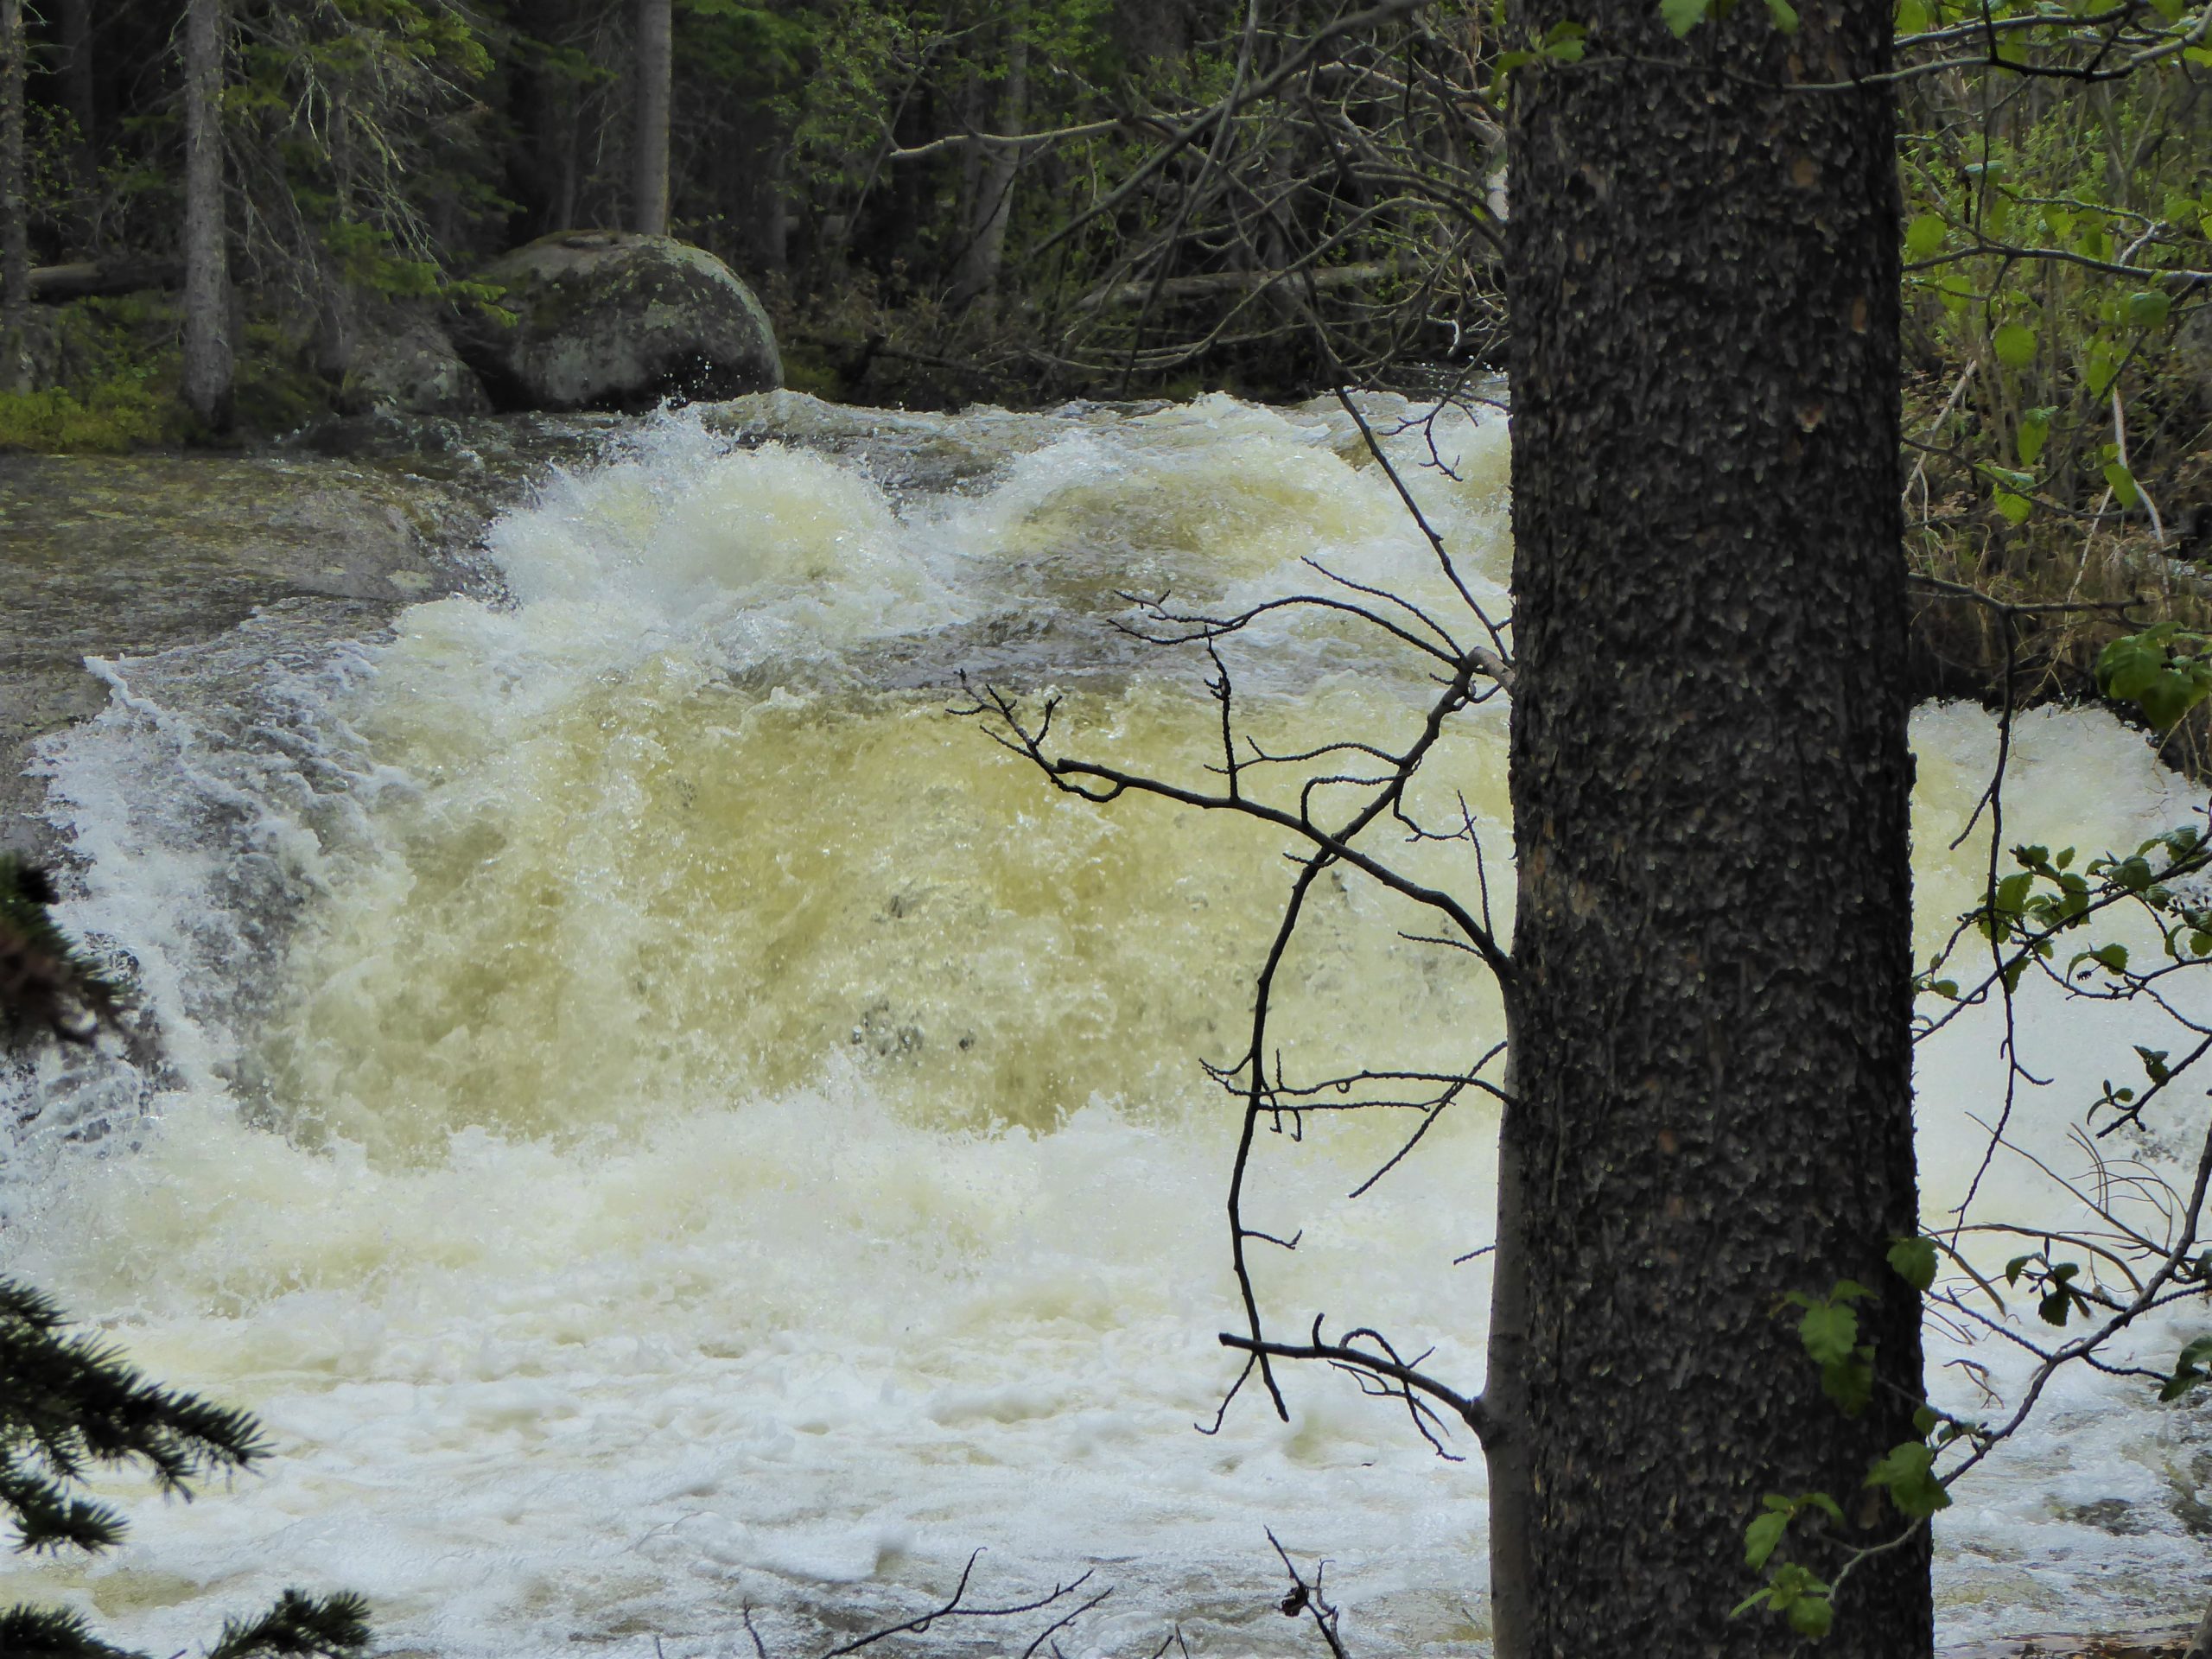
{"x":404,"y":364}
{"x":607,"y":319}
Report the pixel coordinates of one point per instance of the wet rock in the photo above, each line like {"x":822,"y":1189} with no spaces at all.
{"x":131,"y":555}
{"x":2114,"y":1515}
{"x":608,"y":320}
{"x":405,"y":364}
{"x":2120,"y":1644}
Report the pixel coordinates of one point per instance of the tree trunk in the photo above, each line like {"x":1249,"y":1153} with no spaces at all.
{"x":14,"y":203}
{"x":656,"y":68}
{"x":80,"y":94}
{"x":1710,"y":781}
{"x":986,"y":250}
{"x":752,"y":164}
{"x":208,"y":357}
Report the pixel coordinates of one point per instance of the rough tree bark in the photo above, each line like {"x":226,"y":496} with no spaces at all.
{"x":655,"y":63}
{"x":1710,"y":782}
{"x":15,"y":219}
{"x":985,"y":254}
{"x":209,"y":359}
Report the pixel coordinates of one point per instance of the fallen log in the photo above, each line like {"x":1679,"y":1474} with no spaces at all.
{"x":98,"y":279}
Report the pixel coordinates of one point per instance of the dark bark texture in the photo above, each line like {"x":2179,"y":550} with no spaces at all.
{"x":1711,"y":784}
{"x":209,"y":353}
{"x":655,"y":65}
{"x":14,"y":217}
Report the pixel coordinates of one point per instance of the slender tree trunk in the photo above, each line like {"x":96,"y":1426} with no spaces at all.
{"x":17,"y":373}
{"x":656,"y":68}
{"x":1710,"y":780}
{"x":14,"y":203}
{"x":750,"y":169}
{"x":986,"y":251}
{"x":80,"y":90}
{"x":209,"y":363}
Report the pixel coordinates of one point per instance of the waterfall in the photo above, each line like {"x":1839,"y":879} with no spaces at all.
{"x":658,"y":1114}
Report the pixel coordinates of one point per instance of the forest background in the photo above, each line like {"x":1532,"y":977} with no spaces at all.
{"x":943,"y":202}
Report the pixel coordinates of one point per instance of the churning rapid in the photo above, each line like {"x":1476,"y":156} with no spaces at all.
{"x":659,"y":1115}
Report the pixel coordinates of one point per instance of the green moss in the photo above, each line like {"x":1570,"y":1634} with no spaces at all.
{"x":276,"y":388}
{"x":809,"y":367}
{"x":119,"y":368}
{"x":107,"y":417}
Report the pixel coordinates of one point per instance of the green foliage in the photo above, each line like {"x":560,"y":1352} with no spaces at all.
{"x":2164,"y":670}
{"x":1913,"y":1260}
{"x":1799,"y":1597}
{"x":2057,"y":1297}
{"x":1683,"y":16}
{"x":107,"y":417}
{"x":308,"y":1627}
{"x":46,"y":983}
{"x":1764,"y":1535}
{"x":2045,"y":245}
{"x":1907,"y":1473}
{"x":71,"y":1405}
{"x":2190,"y":1369}
{"x":1829,"y":1328}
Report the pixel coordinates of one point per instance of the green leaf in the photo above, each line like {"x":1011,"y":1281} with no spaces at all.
{"x":2189,"y":1368}
{"x":2015,"y":345}
{"x":1829,"y":1332}
{"x":1913,"y":1260}
{"x":1907,"y":1472}
{"x":2174,"y":694}
{"x":1683,"y":16}
{"x":1763,"y":1536}
{"x":1850,"y":1382}
{"x":1925,"y":237}
{"x":2034,"y":433}
{"x":2014,"y":509}
{"x":2129,"y":666}
{"x":1784,"y":15}
{"x":1563,"y":42}
{"x":1811,"y":1616}
{"x":2147,"y":309}
{"x":1912,"y":17}
{"x":2123,"y":484}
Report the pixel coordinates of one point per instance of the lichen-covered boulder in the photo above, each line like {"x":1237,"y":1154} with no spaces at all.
{"x":405,"y":364}
{"x":608,"y":320}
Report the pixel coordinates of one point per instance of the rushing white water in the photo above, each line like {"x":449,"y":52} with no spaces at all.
{"x":657,"y":1115}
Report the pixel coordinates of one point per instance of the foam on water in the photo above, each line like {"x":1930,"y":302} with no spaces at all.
{"x":659,"y":1118}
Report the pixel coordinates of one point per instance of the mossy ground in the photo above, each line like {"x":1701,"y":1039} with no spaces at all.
{"x":119,"y":364}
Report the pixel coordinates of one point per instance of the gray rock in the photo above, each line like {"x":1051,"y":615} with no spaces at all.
{"x":609,"y":320}
{"x":406,"y":364}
